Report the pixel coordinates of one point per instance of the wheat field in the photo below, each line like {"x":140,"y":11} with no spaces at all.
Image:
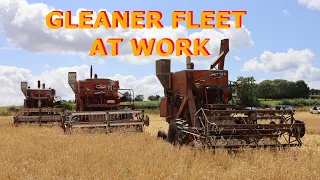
{"x":33,"y":152}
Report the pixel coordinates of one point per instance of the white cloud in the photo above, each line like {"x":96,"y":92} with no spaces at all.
{"x":294,"y":65}
{"x":286,"y":12}
{"x":57,"y":79}
{"x":148,"y":85}
{"x":314,"y":85}
{"x":237,"y":58}
{"x":277,"y":62}
{"x":24,"y":26}
{"x":311,"y":4}
{"x":305,"y":72}
{"x":260,"y":80}
{"x":10,"y":79}
{"x":7,"y":48}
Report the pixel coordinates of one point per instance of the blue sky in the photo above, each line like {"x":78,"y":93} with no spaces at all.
{"x":274,"y":26}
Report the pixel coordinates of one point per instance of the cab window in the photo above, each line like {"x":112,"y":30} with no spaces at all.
{"x":110,"y":88}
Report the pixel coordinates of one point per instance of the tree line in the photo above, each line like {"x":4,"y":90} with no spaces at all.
{"x":283,"y":89}
{"x":314,"y":91}
{"x":140,"y":97}
{"x":249,"y":91}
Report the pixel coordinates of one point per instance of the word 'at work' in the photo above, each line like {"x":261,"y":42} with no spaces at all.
{"x":142,"y":19}
{"x":180,"y":46}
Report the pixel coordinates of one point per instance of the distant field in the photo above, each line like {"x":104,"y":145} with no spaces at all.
{"x":146,"y":104}
{"x":300,"y":106}
{"x":4,"y":112}
{"x":153,"y":106}
{"x":270,"y":102}
{"x":138,"y":105}
{"x":33,"y":152}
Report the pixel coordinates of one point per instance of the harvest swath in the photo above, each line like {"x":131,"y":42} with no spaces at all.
{"x":26,"y":150}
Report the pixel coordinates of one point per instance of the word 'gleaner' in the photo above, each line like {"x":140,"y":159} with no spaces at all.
{"x":141,"y":19}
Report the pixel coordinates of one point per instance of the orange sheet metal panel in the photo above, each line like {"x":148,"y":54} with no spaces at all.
{"x":96,"y":91}
{"x":179,"y":82}
{"x":163,"y":108}
{"x":223,"y":81}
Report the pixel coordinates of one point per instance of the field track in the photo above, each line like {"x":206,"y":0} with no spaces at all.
{"x":33,"y":152}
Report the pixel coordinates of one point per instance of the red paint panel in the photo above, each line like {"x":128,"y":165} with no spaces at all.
{"x":163,"y":108}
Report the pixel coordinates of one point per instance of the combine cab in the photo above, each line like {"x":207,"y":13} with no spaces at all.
{"x":41,"y":106}
{"x":197,"y":110}
{"x":98,"y":105}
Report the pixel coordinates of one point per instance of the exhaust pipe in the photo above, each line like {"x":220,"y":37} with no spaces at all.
{"x":43,"y":86}
{"x":91,"y":72}
{"x":39,"y":85}
{"x":190,"y":65}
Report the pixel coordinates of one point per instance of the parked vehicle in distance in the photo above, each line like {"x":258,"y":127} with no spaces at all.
{"x":270,"y":108}
{"x":315,"y":110}
{"x":284,"y":107}
{"x":251,"y":108}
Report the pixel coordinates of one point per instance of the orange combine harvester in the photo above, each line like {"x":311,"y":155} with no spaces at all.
{"x":41,"y":106}
{"x":98,"y":105}
{"x":197,"y":110}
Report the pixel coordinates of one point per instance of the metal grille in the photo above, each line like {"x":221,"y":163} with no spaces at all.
{"x":24,"y":86}
{"x":72,"y":80}
{"x":49,"y":92}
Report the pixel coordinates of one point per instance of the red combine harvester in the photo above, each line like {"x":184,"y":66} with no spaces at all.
{"x":40,"y":106}
{"x":197,"y":110}
{"x":98,"y":105}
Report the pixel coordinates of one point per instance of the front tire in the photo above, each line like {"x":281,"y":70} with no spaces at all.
{"x":173,"y":132}
{"x":300,"y":131}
